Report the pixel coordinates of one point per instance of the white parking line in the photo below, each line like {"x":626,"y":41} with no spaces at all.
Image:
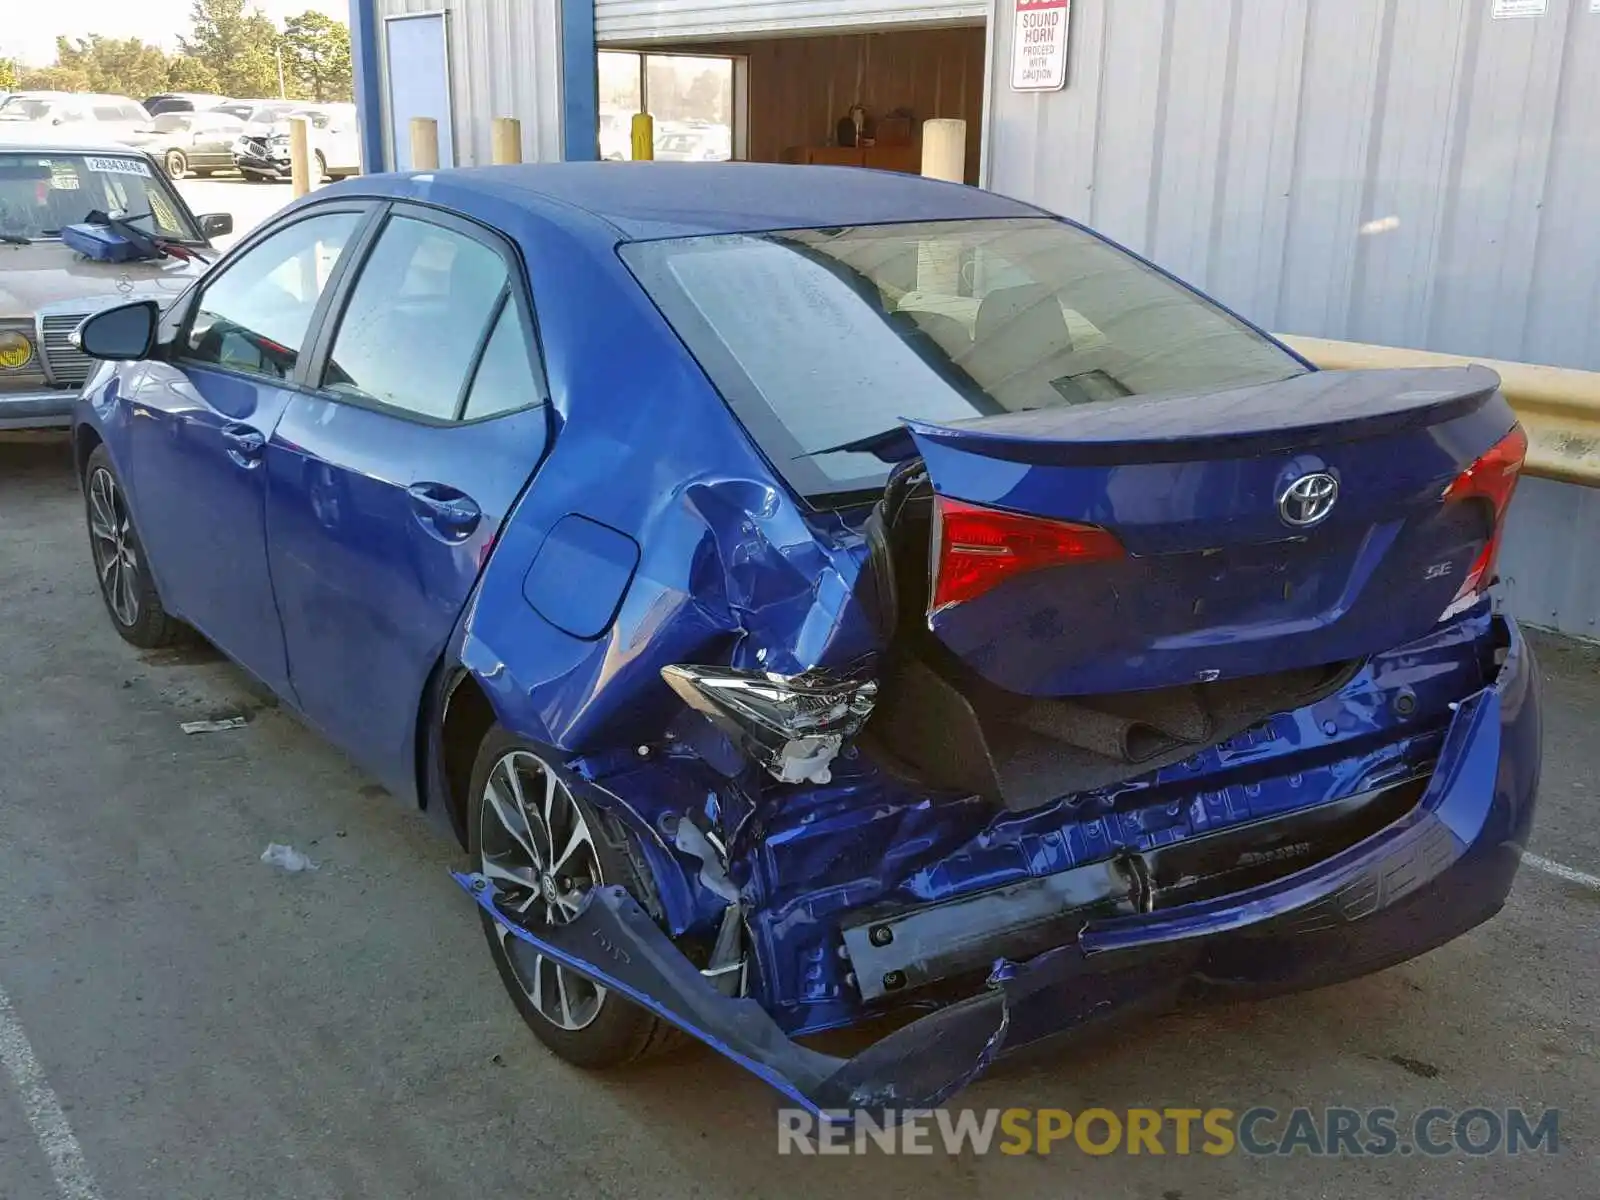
{"x":1561,"y":872}
{"x":43,"y":1110}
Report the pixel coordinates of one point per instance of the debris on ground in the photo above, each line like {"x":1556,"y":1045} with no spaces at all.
{"x":287,"y":857}
{"x":221,"y":726}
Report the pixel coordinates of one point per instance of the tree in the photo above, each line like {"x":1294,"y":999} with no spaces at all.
{"x":10,"y":75}
{"x":53,"y":79}
{"x":188,"y":74}
{"x":316,"y":57}
{"x":123,"y":66}
{"x":238,"y":47}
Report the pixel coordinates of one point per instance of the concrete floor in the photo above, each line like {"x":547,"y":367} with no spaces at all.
{"x":213,"y":1028}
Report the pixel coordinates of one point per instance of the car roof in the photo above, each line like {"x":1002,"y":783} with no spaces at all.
{"x":51,"y":140}
{"x":663,"y":199}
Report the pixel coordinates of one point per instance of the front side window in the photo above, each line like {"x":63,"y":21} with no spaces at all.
{"x":254,"y":317}
{"x":417,"y":318}
{"x":820,"y":337}
{"x":40,"y":193}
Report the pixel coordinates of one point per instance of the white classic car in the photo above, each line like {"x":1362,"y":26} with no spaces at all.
{"x":49,"y":182}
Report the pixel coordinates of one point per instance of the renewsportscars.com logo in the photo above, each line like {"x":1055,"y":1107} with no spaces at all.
{"x":1331,"y":1132}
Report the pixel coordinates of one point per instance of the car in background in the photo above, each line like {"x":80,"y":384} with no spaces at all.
{"x":200,"y":143}
{"x":252,"y":111}
{"x":51,"y":178}
{"x":169,"y":102}
{"x":102,"y":115}
{"x":692,"y":141}
{"x":1010,"y":649}
{"x":332,"y":138}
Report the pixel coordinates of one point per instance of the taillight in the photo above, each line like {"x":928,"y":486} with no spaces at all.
{"x":1491,"y":479}
{"x":976,"y":548}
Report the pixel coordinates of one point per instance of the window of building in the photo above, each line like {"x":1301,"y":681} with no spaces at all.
{"x":691,"y":98}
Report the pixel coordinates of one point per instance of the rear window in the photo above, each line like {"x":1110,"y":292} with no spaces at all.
{"x":818,"y":337}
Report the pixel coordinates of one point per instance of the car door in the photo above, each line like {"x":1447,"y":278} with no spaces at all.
{"x":387,"y":484}
{"x":201,"y":419}
{"x":342,"y":149}
{"x":213,"y":138}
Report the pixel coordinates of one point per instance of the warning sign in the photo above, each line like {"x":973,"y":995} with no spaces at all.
{"x":1039,"y":45}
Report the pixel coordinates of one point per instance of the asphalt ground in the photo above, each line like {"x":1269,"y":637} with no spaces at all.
{"x":178,"y":1020}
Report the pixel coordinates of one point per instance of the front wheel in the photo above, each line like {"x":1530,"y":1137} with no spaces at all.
{"x":176,"y":164}
{"x":126,"y":584}
{"x":543,"y":847}
{"x":319,"y":167}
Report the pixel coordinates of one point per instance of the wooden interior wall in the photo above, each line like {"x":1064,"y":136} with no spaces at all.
{"x":801,"y":86}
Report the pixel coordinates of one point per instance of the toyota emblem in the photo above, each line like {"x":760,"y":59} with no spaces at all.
{"x":1308,"y":499}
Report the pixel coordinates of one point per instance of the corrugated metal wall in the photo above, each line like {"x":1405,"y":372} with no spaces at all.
{"x":1406,"y":172}
{"x":634,"y":22}
{"x":505,"y":61}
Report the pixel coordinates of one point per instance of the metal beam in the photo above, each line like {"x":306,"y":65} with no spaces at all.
{"x":580,"y":83}
{"x":366,"y":61}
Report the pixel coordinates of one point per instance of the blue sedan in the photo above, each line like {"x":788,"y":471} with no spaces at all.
{"x":814,"y":593}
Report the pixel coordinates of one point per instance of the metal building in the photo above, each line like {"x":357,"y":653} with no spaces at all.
{"x":1418,"y":173}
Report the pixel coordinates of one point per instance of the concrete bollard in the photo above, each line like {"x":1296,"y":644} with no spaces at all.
{"x":424,"y":144}
{"x":299,"y":157}
{"x":944,"y":149}
{"x":505,"y":140}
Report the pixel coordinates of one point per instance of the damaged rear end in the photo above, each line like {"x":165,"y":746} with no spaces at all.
{"x":1184,"y":674}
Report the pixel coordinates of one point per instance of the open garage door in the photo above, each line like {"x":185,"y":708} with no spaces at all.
{"x":631,"y":22}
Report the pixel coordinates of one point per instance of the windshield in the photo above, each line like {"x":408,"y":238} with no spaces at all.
{"x":171,"y":122}
{"x":39,"y":193}
{"x":818,"y":337}
{"x":24,"y":108}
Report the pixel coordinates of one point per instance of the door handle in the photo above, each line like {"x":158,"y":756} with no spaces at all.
{"x":244,"y":444}
{"x":446,"y":513}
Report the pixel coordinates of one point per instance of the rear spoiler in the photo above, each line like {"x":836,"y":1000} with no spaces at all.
{"x":1295,"y":414}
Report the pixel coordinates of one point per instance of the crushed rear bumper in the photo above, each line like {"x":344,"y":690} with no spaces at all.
{"x":1441,"y":868}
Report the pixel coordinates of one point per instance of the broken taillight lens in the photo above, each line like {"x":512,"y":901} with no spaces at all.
{"x":793,"y":725}
{"x":976,"y":548}
{"x":1491,"y":480}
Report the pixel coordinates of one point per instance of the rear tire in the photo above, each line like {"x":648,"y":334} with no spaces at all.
{"x":176,"y":164}
{"x":587,"y":1026}
{"x":126,"y":585}
{"x":319,"y":168}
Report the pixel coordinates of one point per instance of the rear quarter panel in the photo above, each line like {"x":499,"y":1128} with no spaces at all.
{"x":730,"y":568}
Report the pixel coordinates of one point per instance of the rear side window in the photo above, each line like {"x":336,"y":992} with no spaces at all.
{"x":254,"y":316}
{"x":505,"y":379}
{"x":819,"y":337}
{"x":417,"y":319}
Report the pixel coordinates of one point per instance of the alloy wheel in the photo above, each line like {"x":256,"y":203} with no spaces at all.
{"x":539,"y":852}
{"x":111,"y":537}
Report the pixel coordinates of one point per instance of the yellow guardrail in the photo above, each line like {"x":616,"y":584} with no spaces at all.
{"x":1558,"y":407}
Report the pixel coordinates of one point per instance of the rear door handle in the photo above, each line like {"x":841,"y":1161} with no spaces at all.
{"x":244,"y":444}
{"x":445,"y":512}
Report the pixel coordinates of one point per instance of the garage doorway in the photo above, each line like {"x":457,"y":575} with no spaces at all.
{"x":790,"y":98}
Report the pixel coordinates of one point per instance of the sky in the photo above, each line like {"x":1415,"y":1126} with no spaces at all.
{"x":29,"y":28}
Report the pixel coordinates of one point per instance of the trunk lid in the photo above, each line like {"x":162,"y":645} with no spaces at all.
{"x":1269,"y":528}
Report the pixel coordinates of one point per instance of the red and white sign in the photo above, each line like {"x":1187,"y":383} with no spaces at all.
{"x":1039,"y":45}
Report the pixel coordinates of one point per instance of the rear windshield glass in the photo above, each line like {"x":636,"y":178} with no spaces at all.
{"x":818,"y":337}
{"x":39,"y":193}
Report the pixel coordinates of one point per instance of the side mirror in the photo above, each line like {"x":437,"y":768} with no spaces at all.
{"x":216,"y":224}
{"x":122,"y":334}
